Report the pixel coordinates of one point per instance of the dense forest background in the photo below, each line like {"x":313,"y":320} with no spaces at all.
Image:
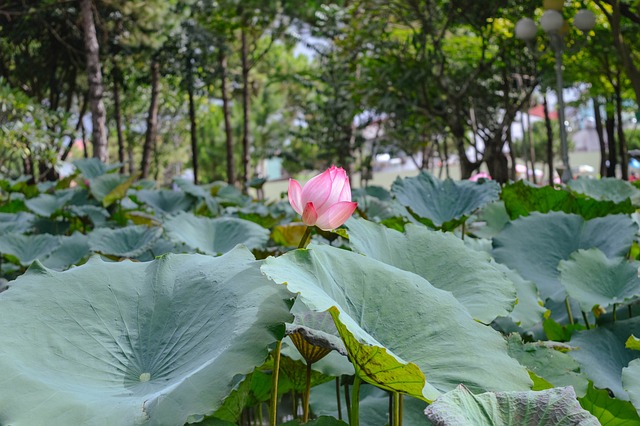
{"x":217,"y":87}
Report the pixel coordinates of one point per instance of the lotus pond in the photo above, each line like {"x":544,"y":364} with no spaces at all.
{"x":438,"y":302}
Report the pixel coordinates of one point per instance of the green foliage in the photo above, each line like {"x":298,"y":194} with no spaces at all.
{"x":608,"y":410}
{"x":521,"y":198}
{"x":443,"y":204}
{"x":125,"y":342}
{"x":414,"y":310}
{"x":556,"y":406}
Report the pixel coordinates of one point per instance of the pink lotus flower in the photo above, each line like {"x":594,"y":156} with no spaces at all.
{"x":325,"y":201}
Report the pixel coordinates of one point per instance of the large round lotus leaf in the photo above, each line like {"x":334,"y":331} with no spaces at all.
{"x":551,"y":407}
{"x":521,"y":198}
{"x":130,"y":241}
{"x":72,"y":249}
{"x":439,"y":202}
{"x":215,"y":236}
{"x":534,"y":245}
{"x":46,"y":204}
{"x":549,"y":363}
{"x":92,"y":167}
{"x":631,"y":382}
{"x":111,"y":187}
{"x":610,"y":189}
{"x":399,"y":312}
{"x":15,"y":222}
{"x":443,"y":260}
{"x":27,"y":248}
{"x":191,"y":188}
{"x":529,"y":309}
{"x":592,"y":279}
{"x":165,"y":201}
{"x":96,"y":214}
{"x":133,"y":342}
{"x":609,"y":411}
{"x":602,"y":354}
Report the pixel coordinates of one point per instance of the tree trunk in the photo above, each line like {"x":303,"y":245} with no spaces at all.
{"x":193,"y":124}
{"x":622,"y":144}
{"x":496,"y":161}
{"x":94,"y":75}
{"x":117,"y":78}
{"x":466,"y":166}
{"x":532,"y":149}
{"x":547,"y":124}
{"x":610,"y":124}
{"x":246,"y":137}
{"x":79,"y":125}
{"x":599,"y":130}
{"x":231,"y":178}
{"x":512,"y":155}
{"x":152,"y":120}
{"x":632,"y":71}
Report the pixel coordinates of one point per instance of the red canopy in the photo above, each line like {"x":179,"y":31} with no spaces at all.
{"x":538,"y":111}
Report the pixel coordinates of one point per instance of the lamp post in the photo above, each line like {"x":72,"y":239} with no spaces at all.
{"x":553,"y":24}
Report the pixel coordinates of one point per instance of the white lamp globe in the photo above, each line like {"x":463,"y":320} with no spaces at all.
{"x":584,"y":20}
{"x":526,"y":29}
{"x":551,"y":21}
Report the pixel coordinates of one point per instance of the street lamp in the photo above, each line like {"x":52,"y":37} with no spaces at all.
{"x":552,"y":23}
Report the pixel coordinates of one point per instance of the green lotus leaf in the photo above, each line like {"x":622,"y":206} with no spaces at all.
{"x":165,"y":201}
{"x":521,"y":198}
{"x":229,"y":195}
{"x":16,"y":222}
{"x":602,"y":354}
{"x":443,"y":260}
{"x":111,"y":187}
{"x":632,"y":343}
{"x":631,"y":382}
{"x":445,"y":203}
{"x":492,"y":218}
{"x":551,"y":407}
{"x":608,"y":189}
{"x":549,"y":363}
{"x":134,"y":342}
{"x":288,"y":235}
{"x":387,"y":308}
{"x":609,"y":411}
{"x":47,"y":204}
{"x":27,"y":248}
{"x":198,"y":191}
{"x":534,"y":245}
{"x":92,"y":167}
{"x":98,"y":215}
{"x":592,"y":279}
{"x":529,"y":309}
{"x":378,"y":366}
{"x":214,"y":236}
{"x":130,"y":241}
{"x":72,"y":249}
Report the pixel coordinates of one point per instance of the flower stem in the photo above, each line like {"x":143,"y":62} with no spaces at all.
{"x":354,"y":417}
{"x":305,"y":237}
{"x":307,"y":394}
{"x":274,"y":384}
{"x":338,"y":398}
{"x":568,"y":306}
{"x":586,"y":320}
{"x":397,"y":409}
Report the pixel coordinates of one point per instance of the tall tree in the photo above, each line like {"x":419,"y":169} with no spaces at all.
{"x":96,"y":88}
{"x":152,"y":119}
